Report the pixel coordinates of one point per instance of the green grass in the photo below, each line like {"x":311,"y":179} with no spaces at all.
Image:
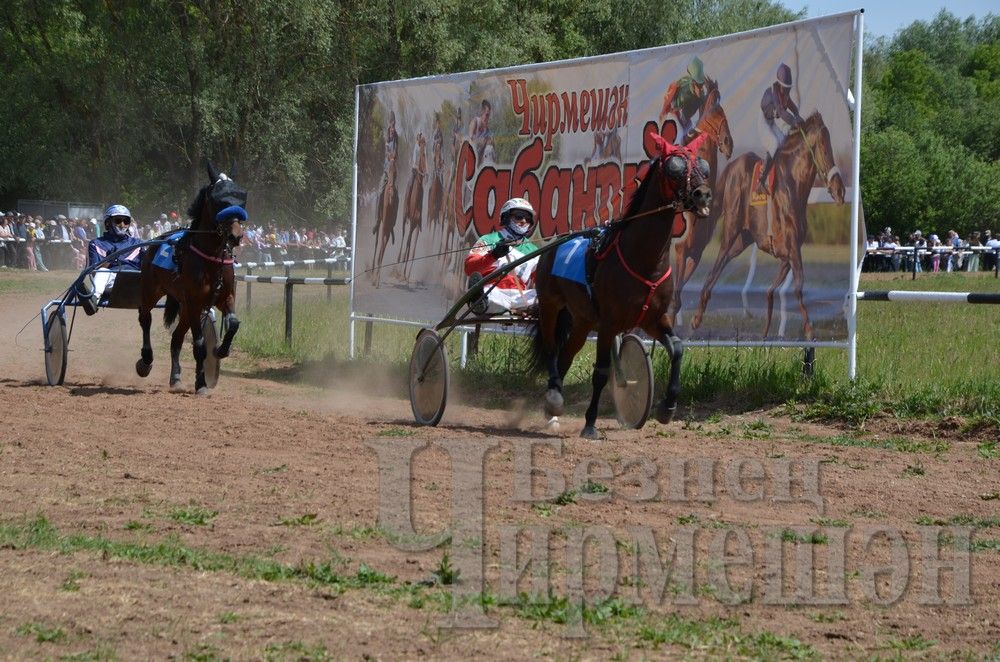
{"x":307,"y":519}
{"x":195,"y":515}
{"x":705,"y":637}
{"x":41,"y":633}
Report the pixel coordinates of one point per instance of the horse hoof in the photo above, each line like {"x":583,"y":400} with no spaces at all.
{"x":590,"y":432}
{"x":220,"y":355}
{"x":696,"y":321}
{"x":665,"y":414}
{"x":175,"y":385}
{"x":553,"y":403}
{"x":553,"y":425}
{"x":204,"y":390}
{"x":142,"y":369}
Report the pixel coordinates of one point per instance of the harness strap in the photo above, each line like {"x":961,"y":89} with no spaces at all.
{"x":211,"y":258}
{"x":652,"y":285}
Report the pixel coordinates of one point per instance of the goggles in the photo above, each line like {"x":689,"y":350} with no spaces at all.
{"x":120,"y":220}
{"x":520,"y":216}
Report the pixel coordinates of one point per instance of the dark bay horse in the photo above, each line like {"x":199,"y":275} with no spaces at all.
{"x":631,"y":285}
{"x":413,"y":212}
{"x":713,"y":124}
{"x":806,"y":153}
{"x":205,"y":279}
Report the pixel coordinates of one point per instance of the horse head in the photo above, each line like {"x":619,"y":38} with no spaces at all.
{"x":817,"y":139}
{"x":220,"y":206}
{"x":714,"y":122}
{"x":685,"y":175}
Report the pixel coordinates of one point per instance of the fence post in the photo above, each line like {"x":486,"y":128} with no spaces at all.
{"x":809,"y":362}
{"x":996,"y":263}
{"x":249,"y":300}
{"x":329,"y":274}
{"x":368,"y":338}
{"x":288,"y":313}
{"x":916,"y":256}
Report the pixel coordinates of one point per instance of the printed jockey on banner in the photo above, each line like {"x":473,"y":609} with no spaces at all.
{"x":116,"y":237}
{"x":684,"y":98}
{"x":781,"y":116}
{"x":515,"y":291}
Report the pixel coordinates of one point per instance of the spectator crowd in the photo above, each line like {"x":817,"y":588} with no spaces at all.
{"x":34,"y":243}
{"x":886,"y":252}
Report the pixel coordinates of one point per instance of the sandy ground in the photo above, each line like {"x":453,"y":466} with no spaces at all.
{"x":286,"y":473}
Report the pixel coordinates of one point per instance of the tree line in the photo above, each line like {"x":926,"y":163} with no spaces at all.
{"x":123,"y":100}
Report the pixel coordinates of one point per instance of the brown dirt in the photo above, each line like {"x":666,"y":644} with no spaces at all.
{"x":109,"y":448}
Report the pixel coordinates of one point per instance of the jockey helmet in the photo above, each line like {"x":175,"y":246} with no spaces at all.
{"x":112,"y":216}
{"x":518,"y":217}
{"x":784,"y":76}
{"x":696,"y":70}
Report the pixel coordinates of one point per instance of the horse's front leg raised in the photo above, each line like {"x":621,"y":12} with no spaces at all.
{"x":598,"y":380}
{"x":230,"y":323}
{"x":667,"y":407}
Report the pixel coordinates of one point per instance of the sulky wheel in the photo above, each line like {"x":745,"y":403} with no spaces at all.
{"x":632,"y":383}
{"x":211,"y":341}
{"x":428,"y":378}
{"x":55,"y":349}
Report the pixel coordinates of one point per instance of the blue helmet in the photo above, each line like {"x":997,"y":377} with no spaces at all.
{"x":111,"y":228}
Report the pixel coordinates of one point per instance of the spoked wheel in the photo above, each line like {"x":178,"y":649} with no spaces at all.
{"x":428,"y":378}
{"x":55,"y":349}
{"x":212,"y":362}
{"x":632,"y":383}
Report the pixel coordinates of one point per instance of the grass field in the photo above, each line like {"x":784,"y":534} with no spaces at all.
{"x":914,"y":359}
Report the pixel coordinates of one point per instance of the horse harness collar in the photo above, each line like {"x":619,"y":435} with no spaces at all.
{"x":212,"y":258}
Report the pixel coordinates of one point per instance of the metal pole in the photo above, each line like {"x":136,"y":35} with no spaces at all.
{"x":915,"y":258}
{"x":852,"y":297}
{"x":809,"y":362}
{"x":249,"y":299}
{"x":329,"y":274}
{"x":288,"y":313}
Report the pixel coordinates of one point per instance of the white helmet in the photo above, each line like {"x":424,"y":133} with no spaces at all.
{"x":512,"y":217}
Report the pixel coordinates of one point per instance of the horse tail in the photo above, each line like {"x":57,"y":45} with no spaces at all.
{"x":540,"y":354}
{"x":170,"y":310}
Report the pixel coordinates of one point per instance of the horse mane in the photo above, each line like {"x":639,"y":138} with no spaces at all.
{"x":194,"y":211}
{"x":640,"y":193}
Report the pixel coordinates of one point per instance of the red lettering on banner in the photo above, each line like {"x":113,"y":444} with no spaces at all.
{"x":583,"y":200}
{"x":520,"y":107}
{"x":490,"y":183}
{"x":550,"y":113}
{"x":607,"y":181}
{"x":555,"y":188}
{"x":524,"y":183}
{"x":465,"y":168}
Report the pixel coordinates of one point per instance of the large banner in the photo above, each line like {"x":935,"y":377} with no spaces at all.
{"x":437,"y":157}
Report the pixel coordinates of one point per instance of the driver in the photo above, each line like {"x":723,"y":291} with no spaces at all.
{"x":515,"y":290}
{"x":116,"y":237}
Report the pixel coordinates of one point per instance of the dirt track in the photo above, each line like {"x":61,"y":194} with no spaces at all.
{"x":287,"y":471}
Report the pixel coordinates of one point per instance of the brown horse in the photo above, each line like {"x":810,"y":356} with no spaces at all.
{"x":385,"y":224}
{"x":806,"y":153}
{"x":435,"y":196}
{"x":713,"y":124}
{"x":205,"y":279}
{"x":631,"y":284}
{"x":413,"y":212}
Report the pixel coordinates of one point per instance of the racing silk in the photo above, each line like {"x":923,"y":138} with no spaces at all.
{"x":685,"y":102}
{"x":785,"y":117}
{"x":103,"y":246}
{"x":517,"y":288}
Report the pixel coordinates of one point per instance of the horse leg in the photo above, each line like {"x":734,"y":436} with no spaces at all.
{"x":798,"y":276}
{"x":176,"y":342}
{"x":778,"y":280}
{"x":598,"y":380}
{"x":198,"y":346}
{"x":667,"y":407}
{"x":736,"y":245}
{"x":552,"y":326}
{"x":145,"y":363}
{"x":230,"y":322}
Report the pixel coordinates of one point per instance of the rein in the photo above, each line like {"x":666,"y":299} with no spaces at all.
{"x":211,"y":258}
